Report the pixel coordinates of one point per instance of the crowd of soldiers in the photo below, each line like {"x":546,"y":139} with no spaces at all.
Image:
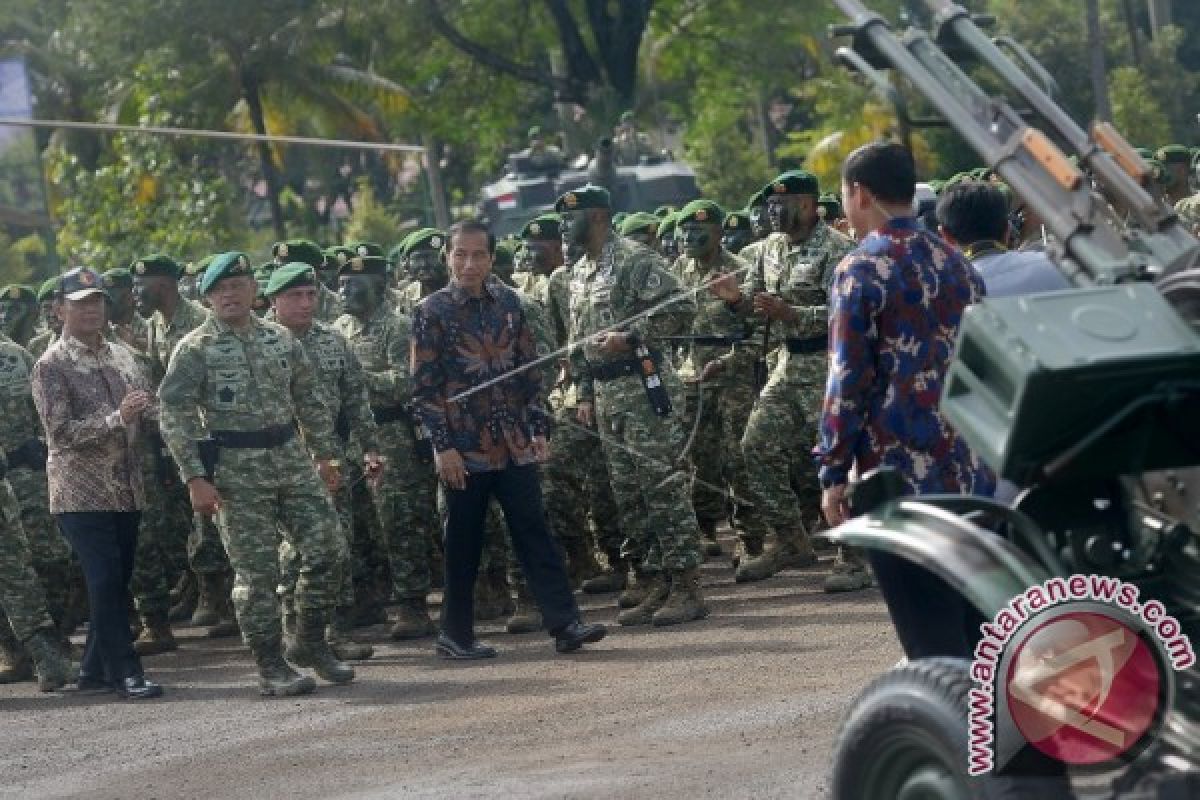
{"x":702,"y":413}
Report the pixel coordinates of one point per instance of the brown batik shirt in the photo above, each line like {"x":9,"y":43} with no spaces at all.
{"x":94,"y":463}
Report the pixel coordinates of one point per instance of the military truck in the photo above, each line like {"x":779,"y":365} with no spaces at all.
{"x":1088,"y":400}
{"x":526,"y":191}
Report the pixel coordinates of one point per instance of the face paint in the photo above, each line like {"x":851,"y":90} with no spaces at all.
{"x":698,"y":239}
{"x":575,"y":227}
{"x":759,"y":224}
{"x":735,"y":241}
{"x":427,"y":266}
{"x":358,"y":294}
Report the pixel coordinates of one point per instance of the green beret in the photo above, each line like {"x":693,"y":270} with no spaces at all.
{"x":1144,"y":152}
{"x":663,"y":211}
{"x":937,"y":185}
{"x":667,"y":224}
{"x":504,"y":255}
{"x":701,"y":211}
{"x":48,"y":289}
{"x":758,"y":198}
{"x":1173,"y":154}
{"x":224,"y":265}
{"x":367,"y":249}
{"x":118,"y":278}
{"x":338,"y":254}
{"x":545,"y":227}
{"x":618,"y":218}
{"x":198,"y":267}
{"x":626,"y":116}
{"x":156,"y":264}
{"x":262,"y":273}
{"x":535,"y":130}
{"x":304,"y":250}
{"x":832,"y":205}
{"x":795,"y":181}
{"x":364,"y":265}
{"x":738,"y":221}
{"x":641,"y":222}
{"x":586,"y":196}
{"x":394,"y":255}
{"x":18,"y":291}
{"x":424,"y":239}
{"x":289,"y":276}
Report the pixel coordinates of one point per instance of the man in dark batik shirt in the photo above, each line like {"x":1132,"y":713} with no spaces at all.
{"x":478,"y":396}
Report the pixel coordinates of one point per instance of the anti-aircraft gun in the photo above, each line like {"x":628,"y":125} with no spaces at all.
{"x":1088,"y":400}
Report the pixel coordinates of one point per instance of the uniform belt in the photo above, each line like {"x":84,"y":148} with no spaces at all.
{"x":811,"y":344}
{"x":385,"y":414}
{"x":274,"y":436}
{"x":611,"y":370}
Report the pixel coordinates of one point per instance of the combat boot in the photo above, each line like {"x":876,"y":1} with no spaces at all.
{"x":338,"y":635}
{"x":849,"y":573}
{"x":748,"y":547}
{"x":156,"y":637}
{"x":412,"y":620}
{"x":635,"y":593}
{"x":183,"y":598}
{"x":581,"y":562}
{"x":710,"y":545}
{"x":312,"y":651}
{"x":275,"y":676}
{"x":53,"y":671}
{"x":779,"y":555}
{"x":656,"y":591}
{"x":527,"y":618}
{"x":15,"y":666}
{"x":613,"y":579}
{"x":226,"y":624}
{"x":684,"y":603}
{"x":209,"y":589}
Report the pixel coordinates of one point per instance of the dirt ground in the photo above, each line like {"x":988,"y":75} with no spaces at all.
{"x":743,"y":704}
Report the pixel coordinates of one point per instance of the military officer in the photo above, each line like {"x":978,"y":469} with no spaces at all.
{"x":18,"y":313}
{"x":329,"y":306}
{"x":49,"y":297}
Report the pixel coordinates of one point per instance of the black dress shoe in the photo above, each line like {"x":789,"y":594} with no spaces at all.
{"x":576,"y":635}
{"x":91,"y":683}
{"x":136,"y":687}
{"x":450,"y":649}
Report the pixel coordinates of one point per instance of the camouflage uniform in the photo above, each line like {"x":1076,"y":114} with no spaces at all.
{"x":781,"y":431}
{"x":253,"y":381}
{"x":41,"y":343}
{"x":23,"y":613}
{"x":329,"y":305}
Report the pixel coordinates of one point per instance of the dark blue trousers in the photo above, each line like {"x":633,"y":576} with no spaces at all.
{"x":519,"y":492}
{"x":104,"y":542}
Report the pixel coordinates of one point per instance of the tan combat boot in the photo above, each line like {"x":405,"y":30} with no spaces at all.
{"x":412,"y":621}
{"x":15,"y":666}
{"x":156,"y":637}
{"x":635,"y":593}
{"x":311,"y":650}
{"x":275,"y":676}
{"x":792,"y":551}
{"x":849,"y":573}
{"x":226,"y":624}
{"x":708,"y":539}
{"x":684,"y":603}
{"x":527,"y":618}
{"x":337,"y":633}
{"x":656,"y":589}
{"x":53,"y":671}
{"x":613,"y":579}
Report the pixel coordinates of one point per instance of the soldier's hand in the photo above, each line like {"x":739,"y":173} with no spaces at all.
{"x":133,"y":404}
{"x":585,"y":413}
{"x":540,"y":449}
{"x":204,"y":497}
{"x":331,"y":474}
{"x":834,"y":505}
{"x":612,"y":343}
{"x":451,"y":468}
{"x":373,"y":468}
{"x":711,"y":371}
{"x":726,"y":287}
{"x":772,"y":307}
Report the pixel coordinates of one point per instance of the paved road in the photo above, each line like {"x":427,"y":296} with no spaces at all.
{"x":744,"y":704}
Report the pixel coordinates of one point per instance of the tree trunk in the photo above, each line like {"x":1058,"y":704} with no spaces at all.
{"x":437,"y":190}
{"x":252,"y":92}
{"x":1099,"y":73}
{"x":1135,"y":44}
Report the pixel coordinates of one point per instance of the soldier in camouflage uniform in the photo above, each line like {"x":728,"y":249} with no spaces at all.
{"x":614,"y":336}
{"x":48,"y":298}
{"x":127,"y":325}
{"x":722,"y":367}
{"x":329,"y":305}
{"x":640,"y":227}
{"x":665,"y":241}
{"x":379,"y":337}
{"x":294,"y":293}
{"x":788,"y":284}
{"x":736,"y":232}
{"x":426,"y":265}
{"x":171,"y":317}
{"x":233,"y":396}
{"x":26,"y":626}
{"x":18,"y":313}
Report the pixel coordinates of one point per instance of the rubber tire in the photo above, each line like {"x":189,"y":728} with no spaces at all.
{"x":922,"y":705}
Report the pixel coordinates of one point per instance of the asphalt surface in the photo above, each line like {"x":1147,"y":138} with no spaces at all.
{"x":744,"y":704}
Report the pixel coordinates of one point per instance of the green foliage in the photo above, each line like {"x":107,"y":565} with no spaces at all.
{"x":22,"y":260}
{"x":1136,"y":112}
{"x":370,"y":221}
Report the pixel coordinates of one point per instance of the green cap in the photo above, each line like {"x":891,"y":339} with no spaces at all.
{"x":338,"y":254}
{"x":833,"y":205}
{"x":18,"y":291}
{"x":543,"y":228}
{"x":156,"y":264}
{"x":640,"y":222}
{"x":795,"y":181}
{"x":534,"y":131}
{"x":424,"y":239}
{"x":118,"y":278}
{"x":504,"y":256}
{"x":394,"y":255}
{"x":667,"y":225}
{"x":705,"y":211}
{"x":1144,"y":152}
{"x":198,"y":267}
{"x":365,"y":249}
{"x":737,"y":221}
{"x":291,"y":275}
{"x":262,"y":273}
{"x":1173,"y":154}
{"x":587,"y":196}
{"x":48,"y":289}
{"x":364,"y":265}
{"x":222,"y":266}
{"x":293,"y":250}
{"x":663,"y":211}
{"x":757,"y":199}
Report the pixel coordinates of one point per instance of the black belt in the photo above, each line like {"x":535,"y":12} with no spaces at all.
{"x":811,"y":344}
{"x":274,"y":436}
{"x":385,"y":414}
{"x":611,"y":370}
{"x":31,"y":455}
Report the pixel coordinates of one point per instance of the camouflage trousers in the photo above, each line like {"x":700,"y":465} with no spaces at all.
{"x":205,"y":551}
{"x":251,"y":522}
{"x":161,"y":554}
{"x":576,"y":485}
{"x":407,"y":505}
{"x":651,"y":487}
{"x":22,"y":598}
{"x":722,"y":479}
{"x":51,"y":558}
{"x":778,"y":443}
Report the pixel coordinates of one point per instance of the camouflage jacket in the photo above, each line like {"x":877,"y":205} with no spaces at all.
{"x":545,"y":342}
{"x":715,"y":318}
{"x":341,"y":384}
{"x":164,"y":336}
{"x":381,"y":345}
{"x":329,"y":305}
{"x":615,"y":291}
{"x":19,"y":421}
{"x":220,"y":379}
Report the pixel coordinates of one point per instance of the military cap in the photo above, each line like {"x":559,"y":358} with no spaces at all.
{"x":543,"y":227}
{"x":79,"y":283}
{"x":663,"y":211}
{"x":641,"y":222}
{"x":701,"y":211}
{"x":263,"y":271}
{"x":156,"y":264}
{"x":618,"y":218}
{"x":504,"y":257}
{"x":937,"y":184}
{"x":535,"y":131}
{"x":304,"y":250}
{"x":48,"y":289}
{"x":289,"y":276}
{"x":737,"y":221}
{"x":1173,"y":154}
{"x":758,"y":198}
{"x":224,"y":265}
{"x":833,"y":204}
{"x":795,"y":181}
{"x":394,"y":255}
{"x":627,"y":116}
{"x":424,"y":239}
{"x":587,"y":196}
{"x":198,"y":267}
{"x":667,"y":224}
{"x":1144,"y":152}
{"x":118,"y":278}
{"x":368,"y":264}
{"x":18,"y":291}
{"x":338,"y":254}
{"x":367,"y":249}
